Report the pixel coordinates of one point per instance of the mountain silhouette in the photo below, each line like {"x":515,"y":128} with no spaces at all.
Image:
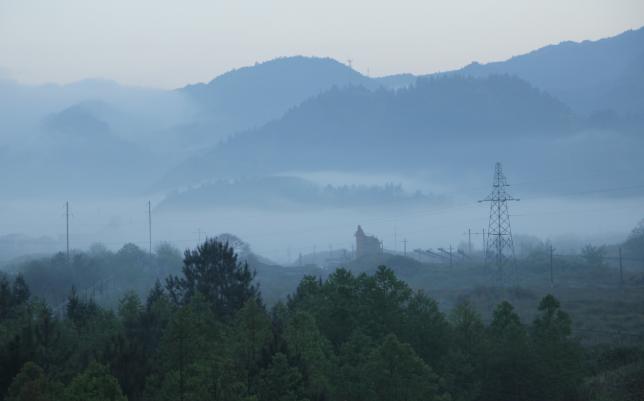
{"x":251,"y":96}
{"x":588,"y":76}
{"x":355,"y":127}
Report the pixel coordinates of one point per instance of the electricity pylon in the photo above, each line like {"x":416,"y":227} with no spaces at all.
{"x":500,"y":246}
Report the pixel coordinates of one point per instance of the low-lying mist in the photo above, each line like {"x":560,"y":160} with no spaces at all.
{"x":281,"y":233}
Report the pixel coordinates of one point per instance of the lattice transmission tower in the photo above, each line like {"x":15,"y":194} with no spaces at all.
{"x":499,"y":245}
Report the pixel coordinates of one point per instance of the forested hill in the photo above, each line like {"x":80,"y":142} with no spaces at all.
{"x":251,"y":96}
{"x":345,"y":127}
{"x":588,"y":76}
{"x":310,"y":113}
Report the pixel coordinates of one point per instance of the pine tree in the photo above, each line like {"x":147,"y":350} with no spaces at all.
{"x":31,"y":384}
{"x":94,"y":384}
{"x":558,"y":355}
{"x":213,"y":271}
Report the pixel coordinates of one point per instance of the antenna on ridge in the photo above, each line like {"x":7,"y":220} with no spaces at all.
{"x":500,"y":246}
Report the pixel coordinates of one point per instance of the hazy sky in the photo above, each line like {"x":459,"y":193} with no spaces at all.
{"x":169,"y":43}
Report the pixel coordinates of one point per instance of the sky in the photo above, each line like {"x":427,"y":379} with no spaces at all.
{"x":171,"y":43}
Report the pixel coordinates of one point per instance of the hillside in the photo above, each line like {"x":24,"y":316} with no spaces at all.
{"x":251,"y":96}
{"x":588,"y":76}
{"x":308,"y":113}
{"x":354,"y":128}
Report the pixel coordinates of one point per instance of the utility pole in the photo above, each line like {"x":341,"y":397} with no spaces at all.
{"x":621,"y":269}
{"x":469,"y":240}
{"x":150,"y":227}
{"x":67,"y":224}
{"x":405,"y":246}
{"x":500,"y":243}
{"x":552,"y":277}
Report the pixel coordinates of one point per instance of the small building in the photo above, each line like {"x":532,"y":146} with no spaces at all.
{"x":366,"y":244}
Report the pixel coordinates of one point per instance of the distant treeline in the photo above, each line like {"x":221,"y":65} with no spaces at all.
{"x":100,"y":273}
{"x":276,"y":191}
{"x":106,"y":275}
{"x":205,"y":334}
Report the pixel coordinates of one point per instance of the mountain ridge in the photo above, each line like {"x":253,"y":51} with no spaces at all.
{"x":326,"y":130}
{"x":580,"y":74}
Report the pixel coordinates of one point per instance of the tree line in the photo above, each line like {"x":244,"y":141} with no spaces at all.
{"x":205,"y":334}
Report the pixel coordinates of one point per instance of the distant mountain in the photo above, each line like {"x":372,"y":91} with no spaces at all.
{"x":307,"y":113}
{"x":79,"y":123}
{"x":75,"y":151}
{"x":355,"y":128}
{"x":92,"y":136}
{"x":251,"y":96}
{"x":78,"y":134}
{"x":588,"y":76}
{"x":133,"y":113}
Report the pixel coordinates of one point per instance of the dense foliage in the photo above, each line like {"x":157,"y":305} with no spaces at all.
{"x":206,"y":335}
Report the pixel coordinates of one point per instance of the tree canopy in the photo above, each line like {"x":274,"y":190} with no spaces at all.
{"x":207,"y":335}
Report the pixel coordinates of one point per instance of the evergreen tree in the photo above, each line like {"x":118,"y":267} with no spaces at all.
{"x":465,"y":362}
{"x":385,"y":297}
{"x":336,"y":307}
{"x":31,"y":384}
{"x":250,"y":336}
{"x":20,"y":292}
{"x":213,"y":271}
{"x":426,"y":329}
{"x":351,"y":376}
{"x":94,"y":384}
{"x":50,"y":346}
{"x":127,"y":351}
{"x":558,"y":355}
{"x":280,"y":381}
{"x":311,"y":352}
{"x":510,"y":363}
{"x":6,"y":298}
{"x":396,"y":373}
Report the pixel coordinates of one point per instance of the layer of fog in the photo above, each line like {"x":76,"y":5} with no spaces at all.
{"x":569,"y":222}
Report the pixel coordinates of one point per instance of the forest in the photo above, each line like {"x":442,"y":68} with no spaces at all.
{"x":206,"y":333}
